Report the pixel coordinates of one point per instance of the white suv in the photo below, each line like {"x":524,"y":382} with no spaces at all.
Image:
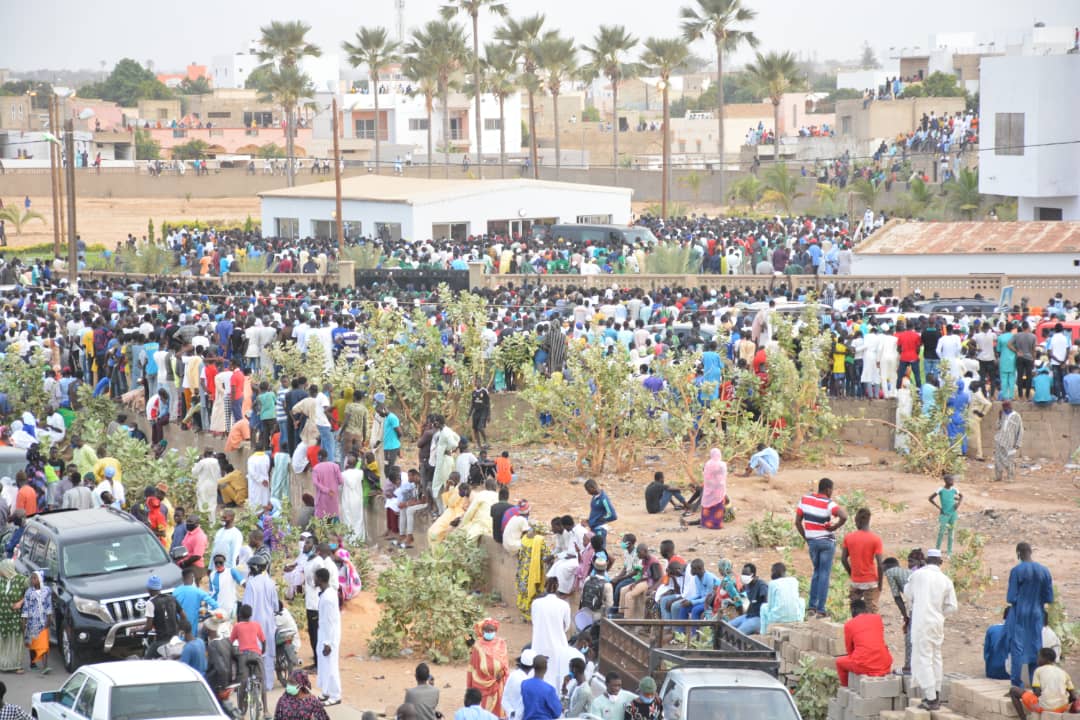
{"x":130,"y":690}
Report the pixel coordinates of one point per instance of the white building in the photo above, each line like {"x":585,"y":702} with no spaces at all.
{"x":862,"y":79}
{"x":988,"y":247}
{"x":232,"y":71}
{"x":421,"y":209}
{"x":1028,"y":121}
{"x":403,"y":120}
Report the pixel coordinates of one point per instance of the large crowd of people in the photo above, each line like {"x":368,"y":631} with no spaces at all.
{"x":189,"y":352}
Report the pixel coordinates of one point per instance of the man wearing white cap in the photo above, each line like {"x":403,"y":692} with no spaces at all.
{"x":931,"y":596}
{"x":512,"y":704}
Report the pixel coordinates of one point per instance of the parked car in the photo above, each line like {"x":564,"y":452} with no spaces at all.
{"x":1046,"y":328}
{"x":135,"y":690}
{"x":958,"y":306}
{"x":602,"y":234}
{"x":96,"y":562}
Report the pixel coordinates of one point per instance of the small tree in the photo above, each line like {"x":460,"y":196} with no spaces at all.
{"x":17,"y":216}
{"x":191,"y":150}
{"x":146,"y":147}
{"x":962,"y":195}
{"x":869,"y":60}
{"x":150,"y":231}
{"x":868,"y":191}
{"x":749,"y":190}
{"x":782,"y":188}
{"x":692,"y":180}
{"x":828,"y":198}
{"x":21,"y":380}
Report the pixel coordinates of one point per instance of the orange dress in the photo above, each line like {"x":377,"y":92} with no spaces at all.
{"x":489,"y":665}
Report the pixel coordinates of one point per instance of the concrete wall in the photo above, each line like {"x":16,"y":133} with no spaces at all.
{"x":1027,"y":208}
{"x":888,"y":118}
{"x":1051,"y":433}
{"x":1032,"y":86}
{"x":925,"y":264}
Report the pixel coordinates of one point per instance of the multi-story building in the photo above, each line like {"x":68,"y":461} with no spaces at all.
{"x":1029,"y":147}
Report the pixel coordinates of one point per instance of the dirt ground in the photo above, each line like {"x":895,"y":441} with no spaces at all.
{"x":1038,"y":508}
{"x":107,"y":221}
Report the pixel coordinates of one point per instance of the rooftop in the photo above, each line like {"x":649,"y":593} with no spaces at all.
{"x":422,"y":191}
{"x":900,"y":237}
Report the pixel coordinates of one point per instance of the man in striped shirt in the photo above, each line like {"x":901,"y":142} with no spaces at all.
{"x":816,"y":518}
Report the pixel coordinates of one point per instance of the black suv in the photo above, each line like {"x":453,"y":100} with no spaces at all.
{"x":96,"y":562}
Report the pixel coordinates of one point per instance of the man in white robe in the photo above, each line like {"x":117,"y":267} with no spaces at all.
{"x":551,"y":621}
{"x":258,"y":479}
{"x":329,"y":640}
{"x":931,"y":596}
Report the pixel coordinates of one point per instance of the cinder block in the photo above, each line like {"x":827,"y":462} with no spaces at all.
{"x":845,"y":695}
{"x":1047,"y":715}
{"x":891,"y":715}
{"x":881,"y":687}
{"x":944,"y":714}
{"x":821,"y":644}
{"x":914,"y":713}
{"x":802,"y":639}
{"x":820,"y":661}
{"x":855,"y":682}
{"x":867,"y":707}
{"x":836,"y":647}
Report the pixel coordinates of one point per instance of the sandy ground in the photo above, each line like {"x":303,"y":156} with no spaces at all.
{"x":107,"y":221}
{"x":1039,"y":508}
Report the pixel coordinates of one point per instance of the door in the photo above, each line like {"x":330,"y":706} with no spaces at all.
{"x":62,"y":704}
{"x":84,"y":706}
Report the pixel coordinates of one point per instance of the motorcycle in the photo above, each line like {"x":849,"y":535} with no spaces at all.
{"x":287,"y":640}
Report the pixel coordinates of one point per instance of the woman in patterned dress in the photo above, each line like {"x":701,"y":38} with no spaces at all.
{"x":36,"y":613}
{"x":12,"y":588}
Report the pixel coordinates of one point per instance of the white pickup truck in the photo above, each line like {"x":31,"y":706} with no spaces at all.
{"x":130,"y":690}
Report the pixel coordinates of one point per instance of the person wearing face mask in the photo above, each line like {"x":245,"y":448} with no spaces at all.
{"x":223,"y":583}
{"x":646,"y":706}
{"x":489,"y":664}
{"x":298,"y":702}
{"x":632,"y":564}
{"x":757,"y":594}
{"x":195,"y":541}
{"x":612,"y":704}
{"x":191,"y":598}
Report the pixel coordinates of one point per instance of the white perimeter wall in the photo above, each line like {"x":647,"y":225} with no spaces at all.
{"x":1018,"y":264}
{"x":1027,"y":208}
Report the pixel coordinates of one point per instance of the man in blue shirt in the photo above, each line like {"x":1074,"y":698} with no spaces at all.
{"x":391,"y":441}
{"x":601,"y":511}
{"x":996,"y":649}
{"x":190,"y":597}
{"x":194,"y":652}
{"x":473,"y":710}
{"x":1072,"y":386}
{"x":539,"y":699}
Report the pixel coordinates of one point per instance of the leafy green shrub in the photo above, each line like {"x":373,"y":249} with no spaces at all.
{"x":428,"y":602}
{"x":965,"y":567}
{"x":1068,"y":630}
{"x":671,"y":259}
{"x":22,"y":380}
{"x":814,"y":689}
{"x":773,"y":531}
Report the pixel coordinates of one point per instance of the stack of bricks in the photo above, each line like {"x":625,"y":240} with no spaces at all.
{"x":892,"y":697}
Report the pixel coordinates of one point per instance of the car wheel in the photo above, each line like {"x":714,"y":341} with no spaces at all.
{"x":73,"y":657}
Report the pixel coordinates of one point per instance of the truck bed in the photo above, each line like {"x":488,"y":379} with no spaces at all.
{"x":636,"y":648}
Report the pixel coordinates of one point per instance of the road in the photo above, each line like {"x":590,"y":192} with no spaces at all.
{"x":21,"y":687}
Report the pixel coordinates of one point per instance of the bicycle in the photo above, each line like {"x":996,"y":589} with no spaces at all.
{"x":253,"y":691}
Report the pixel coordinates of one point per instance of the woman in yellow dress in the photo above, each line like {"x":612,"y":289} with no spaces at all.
{"x":533,"y":558}
{"x":455,"y":504}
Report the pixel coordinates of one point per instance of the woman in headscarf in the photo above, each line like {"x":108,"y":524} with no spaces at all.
{"x":711,"y":367}
{"x":155,"y":518}
{"x":532,"y":557}
{"x":37,"y":611}
{"x":714,"y":491}
{"x":12,"y":589}
{"x":20,"y":437}
{"x":298,"y":702}
{"x":349,"y":583}
{"x":489,"y":665}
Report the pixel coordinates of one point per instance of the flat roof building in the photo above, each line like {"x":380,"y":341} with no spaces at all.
{"x":422,"y":209}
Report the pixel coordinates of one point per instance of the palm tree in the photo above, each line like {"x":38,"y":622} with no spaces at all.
{"x":827,"y":197}
{"x":774,"y":75}
{"x":375,"y":50}
{"x":500,"y":79}
{"x":664,"y":58}
{"x":962,"y":194}
{"x":868,"y":191}
{"x":749,"y":189}
{"x":472,"y":8}
{"x":288,"y":86}
{"x":283,"y":45}
{"x":558,"y":63}
{"x":718,"y":19}
{"x":781,"y":187}
{"x":443,"y":45}
{"x":524,"y":36}
{"x":18,"y":217}
{"x":424,"y":77}
{"x":610,"y":45}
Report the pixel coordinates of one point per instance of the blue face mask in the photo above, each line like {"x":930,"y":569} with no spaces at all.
{"x":644,"y":699}
{"x":333,"y":546}
{"x":624,"y":545}
{"x":489,"y":636}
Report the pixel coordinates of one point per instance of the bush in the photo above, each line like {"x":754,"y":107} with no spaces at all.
{"x":1067,"y":630}
{"x":21,"y":379}
{"x":773,"y":531}
{"x":970,"y":577}
{"x":592,"y":114}
{"x":814,"y":689}
{"x":428,"y":602}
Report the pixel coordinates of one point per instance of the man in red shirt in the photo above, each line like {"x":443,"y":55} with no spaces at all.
{"x":864,"y":640}
{"x":908,"y":342}
{"x":861,"y":558}
{"x":236,"y":390}
{"x":26,"y":499}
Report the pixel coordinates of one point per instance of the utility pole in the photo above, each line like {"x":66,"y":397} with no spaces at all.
{"x":54,"y":171}
{"x":73,"y":252}
{"x":337,"y":183}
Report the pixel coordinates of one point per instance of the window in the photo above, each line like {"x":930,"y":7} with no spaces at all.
{"x":1048,"y":213}
{"x":163,"y":700}
{"x":323,"y":229}
{"x":85,"y":706}
{"x":845,"y":125}
{"x":365,"y":129}
{"x":163,"y":114}
{"x":37,"y":550}
{"x":97,"y":557}
{"x":1008,"y":133}
{"x":70,"y":691}
{"x":454,"y":231}
{"x":219,"y":114}
{"x":418,"y":123}
{"x":593,"y":220}
{"x":388,"y":231}
{"x":493,"y":124}
{"x":52,"y":560}
{"x":287,"y":227}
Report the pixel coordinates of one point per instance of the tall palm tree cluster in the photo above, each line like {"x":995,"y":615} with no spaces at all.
{"x":526,"y":55}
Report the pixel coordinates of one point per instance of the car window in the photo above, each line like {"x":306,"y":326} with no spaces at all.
{"x":109,"y":554}
{"x":52,"y":560}
{"x":85,"y":705}
{"x":37,"y":550}
{"x":672,"y":700}
{"x":70,"y":690}
{"x":26,"y":544}
{"x":161,"y":700}
{"x":740,"y":703}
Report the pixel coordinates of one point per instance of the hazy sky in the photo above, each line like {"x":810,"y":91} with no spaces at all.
{"x":174,"y":33}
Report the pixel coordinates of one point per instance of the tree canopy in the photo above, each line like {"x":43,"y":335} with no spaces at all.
{"x":127,"y":84}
